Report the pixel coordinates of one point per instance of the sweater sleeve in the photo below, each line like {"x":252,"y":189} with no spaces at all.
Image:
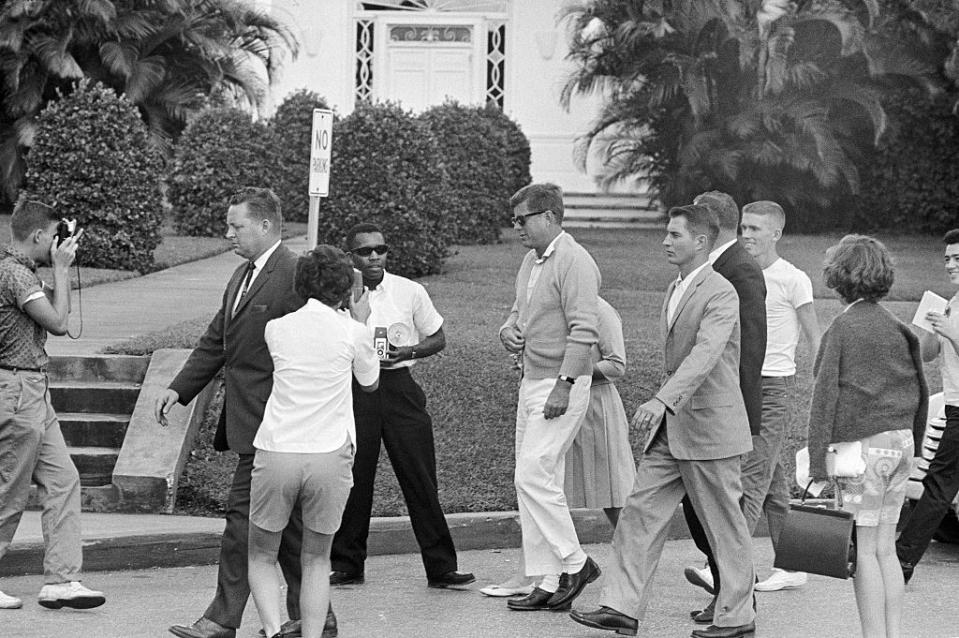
{"x":922,"y":410}
{"x":579,"y":297}
{"x":825,"y":398}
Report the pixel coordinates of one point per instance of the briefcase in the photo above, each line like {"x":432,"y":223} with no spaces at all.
{"x":817,"y":540}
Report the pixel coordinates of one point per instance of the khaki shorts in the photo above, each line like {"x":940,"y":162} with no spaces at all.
{"x":877,"y":496}
{"x":319,"y":482}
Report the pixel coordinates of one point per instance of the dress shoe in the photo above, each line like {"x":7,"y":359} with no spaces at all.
{"x":571,"y":585}
{"x":345,"y":578}
{"x":72,"y":594}
{"x":537,"y":600}
{"x":507,"y":589}
{"x":294,"y":628}
{"x":907,"y":570}
{"x":608,"y":619}
{"x":203,"y":628}
{"x":704,"y":616}
{"x":701,"y":578}
{"x":450,"y":580}
{"x":725,"y":632}
{"x":781,"y":579}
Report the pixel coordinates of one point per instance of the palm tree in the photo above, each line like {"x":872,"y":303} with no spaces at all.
{"x":169,"y":57}
{"x":764,"y":99}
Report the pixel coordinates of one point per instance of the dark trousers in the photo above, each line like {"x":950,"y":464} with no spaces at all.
{"x":939,"y":490}
{"x":232,"y":587}
{"x":698,"y":533}
{"x":396,"y":415}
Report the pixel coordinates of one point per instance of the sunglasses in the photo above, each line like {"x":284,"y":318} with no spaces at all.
{"x":522,"y":219}
{"x":366,"y":251}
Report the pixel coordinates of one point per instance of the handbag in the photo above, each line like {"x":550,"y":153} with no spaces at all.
{"x":817,"y":540}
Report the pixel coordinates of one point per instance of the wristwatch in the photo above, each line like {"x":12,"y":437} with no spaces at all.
{"x":568,"y":379}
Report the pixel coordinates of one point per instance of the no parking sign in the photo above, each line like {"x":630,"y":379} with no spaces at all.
{"x":321,"y":150}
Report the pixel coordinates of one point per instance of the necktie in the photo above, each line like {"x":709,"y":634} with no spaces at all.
{"x":250,"y":267}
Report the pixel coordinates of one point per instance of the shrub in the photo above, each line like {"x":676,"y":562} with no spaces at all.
{"x":220,"y":151}
{"x":92,"y":159}
{"x":385,"y":170}
{"x":290,"y":129}
{"x":472,"y":148}
{"x":912,"y":180}
{"x":515,"y":148}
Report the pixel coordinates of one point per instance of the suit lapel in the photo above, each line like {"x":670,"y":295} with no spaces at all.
{"x":665,"y":312}
{"x":689,"y":292}
{"x":259,"y":282}
{"x":233,"y":289}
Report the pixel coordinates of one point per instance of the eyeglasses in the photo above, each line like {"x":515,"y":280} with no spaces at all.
{"x":522,"y":219}
{"x":366,"y":251}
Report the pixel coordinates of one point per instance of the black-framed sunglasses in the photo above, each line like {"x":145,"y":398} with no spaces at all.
{"x":521,"y":219}
{"x":366,"y":251}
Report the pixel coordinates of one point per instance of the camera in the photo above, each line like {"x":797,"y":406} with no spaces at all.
{"x":65,"y":230}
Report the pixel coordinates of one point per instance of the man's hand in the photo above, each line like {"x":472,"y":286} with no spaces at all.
{"x":163,"y":404}
{"x":360,"y":308}
{"x":396,"y":354}
{"x":62,"y":256}
{"x":942,"y":325}
{"x":512,"y":339}
{"x":558,"y":400}
{"x":649,"y":414}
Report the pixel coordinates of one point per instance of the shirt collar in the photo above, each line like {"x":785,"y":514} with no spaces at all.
{"x":19,"y":257}
{"x":719,"y":250}
{"x":260,"y":261}
{"x":383,"y":285}
{"x":551,"y":248}
{"x":684,"y":281}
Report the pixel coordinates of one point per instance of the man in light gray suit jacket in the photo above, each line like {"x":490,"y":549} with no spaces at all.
{"x":698,"y":428}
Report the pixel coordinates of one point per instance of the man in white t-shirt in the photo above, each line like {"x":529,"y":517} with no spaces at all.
{"x":789,"y":312}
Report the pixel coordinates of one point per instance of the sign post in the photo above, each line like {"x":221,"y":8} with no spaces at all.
{"x":321,"y":145}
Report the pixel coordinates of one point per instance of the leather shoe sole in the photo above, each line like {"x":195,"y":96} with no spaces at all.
{"x":182,"y":631}
{"x":725,"y":632}
{"x":622,"y":625}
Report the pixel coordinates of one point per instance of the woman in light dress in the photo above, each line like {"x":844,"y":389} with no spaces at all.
{"x":600,"y":468}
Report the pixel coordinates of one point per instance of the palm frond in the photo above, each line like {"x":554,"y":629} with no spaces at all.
{"x":55,"y":58}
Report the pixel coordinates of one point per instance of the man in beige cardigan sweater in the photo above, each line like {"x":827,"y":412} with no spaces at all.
{"x":554,"y":325}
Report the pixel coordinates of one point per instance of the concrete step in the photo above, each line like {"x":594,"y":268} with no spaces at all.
{"x":585,"y":201}
{"x":93,"y":429}
{"x":95,"y":464}
{"x":619,"y":224}
{"x":97,"y":397}
{"x":106,"y":367}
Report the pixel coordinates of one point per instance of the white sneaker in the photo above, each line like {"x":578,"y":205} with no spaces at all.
{"x":10,"y":602}
{"x":701,"y":578}
{"x":781,"y":579}
{"x":71,"y":594}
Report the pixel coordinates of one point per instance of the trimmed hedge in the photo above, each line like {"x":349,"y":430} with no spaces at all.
{"x":290,"y":129}
{"x":473,"y":149}
{"x":92,"y":159}
{"x":221,"y":150}
{"x":385,"y":170}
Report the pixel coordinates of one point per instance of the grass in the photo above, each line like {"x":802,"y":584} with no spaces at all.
{"x":471,"y":387}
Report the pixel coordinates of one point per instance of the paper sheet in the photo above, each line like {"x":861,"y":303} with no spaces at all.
{"x":802,"y":474}
{"x":930,"y":302}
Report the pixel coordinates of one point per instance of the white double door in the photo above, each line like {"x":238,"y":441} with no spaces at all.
{"x":421,"y":76}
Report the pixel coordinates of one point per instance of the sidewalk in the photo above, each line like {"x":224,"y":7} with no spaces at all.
{"x":120,"y":310}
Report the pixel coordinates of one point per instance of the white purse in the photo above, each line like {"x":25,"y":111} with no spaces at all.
{"x":844,"y":459}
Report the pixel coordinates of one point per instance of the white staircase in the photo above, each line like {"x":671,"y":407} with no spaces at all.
{"x":612,"y":210}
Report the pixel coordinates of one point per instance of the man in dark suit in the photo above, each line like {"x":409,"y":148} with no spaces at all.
{"x":261,"y":289}
{"x":698,"y":430}
{"x":731,"y":260}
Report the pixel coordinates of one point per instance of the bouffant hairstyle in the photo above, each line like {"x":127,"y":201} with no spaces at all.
{"x":858,"y":267}
{"x":324,"y":274}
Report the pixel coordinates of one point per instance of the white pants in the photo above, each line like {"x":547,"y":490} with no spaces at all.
{"x":541,"y":445}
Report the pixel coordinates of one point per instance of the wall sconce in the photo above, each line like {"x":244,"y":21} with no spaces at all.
{"x":546,"y":43}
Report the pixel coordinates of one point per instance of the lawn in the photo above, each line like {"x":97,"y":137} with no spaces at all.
{"x":472,"y":388}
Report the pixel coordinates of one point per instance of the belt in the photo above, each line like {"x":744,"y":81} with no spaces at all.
{"x":4,"y":366}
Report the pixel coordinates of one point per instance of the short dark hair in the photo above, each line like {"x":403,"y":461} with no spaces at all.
{"x":723,"y":205}
{"x":543,"y":196}
{"x":858,"y":267}
{"x":360,"y":229}
{"x":262,"y":203}
{"x":699,"y":220}
{"x":30,"y":215}
{"x":951,"y":237}
{"x":324,"y":274}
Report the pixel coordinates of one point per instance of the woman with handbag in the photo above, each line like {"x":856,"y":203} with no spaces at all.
{"x":869,"y":396}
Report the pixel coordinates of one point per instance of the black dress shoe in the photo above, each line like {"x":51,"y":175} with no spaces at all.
{"x":704,"y":616}
{"x":203,"y":628}
{"x":571,"y":585}
{"x":608,"y":619}
{"x":537,"y":600}
{"x":345,"y":578}
{"x":294,"y":628}
{"x":725,"y":632}
{"x":450,"y":579}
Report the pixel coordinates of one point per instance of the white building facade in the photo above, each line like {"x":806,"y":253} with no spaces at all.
{"x":421,"y":52}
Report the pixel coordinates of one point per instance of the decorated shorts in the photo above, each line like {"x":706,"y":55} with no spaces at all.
{"x":877,"y":495}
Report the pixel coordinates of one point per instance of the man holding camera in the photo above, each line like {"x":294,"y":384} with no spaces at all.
{"x":32,"y":448}
{"x":405,"y":326}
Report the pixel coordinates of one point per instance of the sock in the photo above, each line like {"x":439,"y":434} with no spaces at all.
{"x":574,"y":562}
{"x":549,"y":583}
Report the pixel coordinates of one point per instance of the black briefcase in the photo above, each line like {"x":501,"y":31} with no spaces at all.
{"x":817,"y":540}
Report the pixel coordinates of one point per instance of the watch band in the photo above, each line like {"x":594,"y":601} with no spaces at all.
{"x":568,"y":379}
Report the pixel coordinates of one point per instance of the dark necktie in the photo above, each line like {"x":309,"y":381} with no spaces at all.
{"x":250,"y":267}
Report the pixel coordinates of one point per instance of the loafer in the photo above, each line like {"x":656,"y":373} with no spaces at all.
{"x":537,"y":600}
{"x":571,"y":585}
{"x":72,"y":594}
{"x":704,"y":616}
{"x":203,"y":628}
{"x":608,"y":619}
{"x":294,"y":628}
{"x":725,"y":632}
{"x":701,"y":578}
{"x":507,"y":590}
{"x":338,"y":577}
{"x":450,"y":580}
